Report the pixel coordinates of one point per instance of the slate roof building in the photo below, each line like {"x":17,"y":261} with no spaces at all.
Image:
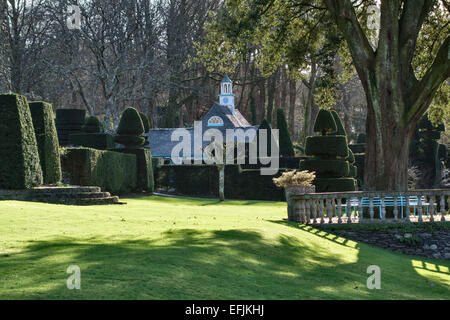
{"x":222,"y":116}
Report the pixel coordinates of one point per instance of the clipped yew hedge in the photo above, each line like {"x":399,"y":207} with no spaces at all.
{"x":202,"y":180}
{"x":144,"y":168}
{"x":47,"y":141}
{"x":100,"y":141}
{"x":112,"y":171}
{"x":19,"y":156}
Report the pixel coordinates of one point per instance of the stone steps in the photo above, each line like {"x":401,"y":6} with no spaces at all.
{"x":66,"y":190}
{"x":78,"y":195}
{"x":73,"y":195}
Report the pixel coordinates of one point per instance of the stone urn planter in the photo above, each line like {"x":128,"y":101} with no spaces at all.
{"x":295,"y":189}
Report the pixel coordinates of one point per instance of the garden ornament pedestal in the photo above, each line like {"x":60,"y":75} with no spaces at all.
{"x":295,"y":189}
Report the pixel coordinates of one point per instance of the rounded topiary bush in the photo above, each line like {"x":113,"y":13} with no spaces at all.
{"x":130,"y":130}
{"x":92,"y":125}
{"x":130,"y":123}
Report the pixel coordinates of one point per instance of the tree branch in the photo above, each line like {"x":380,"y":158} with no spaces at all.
{"x":425,"y":89}
{"x":347,"y":22}
{"x":413,"y":15}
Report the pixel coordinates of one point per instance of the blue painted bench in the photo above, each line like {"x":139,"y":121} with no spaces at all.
{"x":389,"y":202}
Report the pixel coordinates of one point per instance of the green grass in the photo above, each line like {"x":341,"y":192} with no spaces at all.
{"x":169,"y":248}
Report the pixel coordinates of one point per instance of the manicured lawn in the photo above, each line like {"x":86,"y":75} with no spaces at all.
{"x":167,"y":248}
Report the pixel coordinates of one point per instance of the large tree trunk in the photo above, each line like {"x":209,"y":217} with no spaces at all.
{"x":396,"y":99}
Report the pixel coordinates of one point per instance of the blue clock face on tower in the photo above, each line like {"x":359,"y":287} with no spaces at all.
{"x":225,"y":100}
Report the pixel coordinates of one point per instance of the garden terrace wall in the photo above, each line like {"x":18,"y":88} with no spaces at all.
{"x":363,"y":206}
{"x":112,"y":171}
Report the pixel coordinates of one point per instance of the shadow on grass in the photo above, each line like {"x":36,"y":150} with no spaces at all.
{"x":320,"y":233}
{"x":416,"y":261}
{"x":193,"y":264}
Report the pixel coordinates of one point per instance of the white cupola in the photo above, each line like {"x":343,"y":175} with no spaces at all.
{"x":226,"y":96}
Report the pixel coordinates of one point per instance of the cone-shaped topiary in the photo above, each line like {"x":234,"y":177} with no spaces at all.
{"x":264,"y":126}
{"x":92,"y":125}
{"x":145,"y":122}
{"x":329,"y":155}
{"x":286,"y":147}
{"x":325,"y":123}
{"x":130,"y":130}
{"x":340,"y":128}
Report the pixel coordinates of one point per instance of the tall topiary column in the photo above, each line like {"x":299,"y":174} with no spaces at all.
{"x":340,"y":131}
{"x":19,"y":156}
{"x":286,"y":147}
{"x":328,"y":156}
{"x":47,"y":141}
{"x":129,"y":133}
